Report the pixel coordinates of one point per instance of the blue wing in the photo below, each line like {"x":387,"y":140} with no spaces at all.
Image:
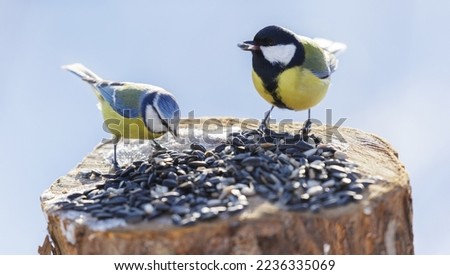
{"x":124,"y":98}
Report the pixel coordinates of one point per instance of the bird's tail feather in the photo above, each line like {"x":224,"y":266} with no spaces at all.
{"x":331,"y":46}
{"x":83,"y":72}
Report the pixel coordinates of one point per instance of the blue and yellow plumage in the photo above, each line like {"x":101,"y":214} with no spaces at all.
{"x":291,"y":71}
{"x":132,"y":110}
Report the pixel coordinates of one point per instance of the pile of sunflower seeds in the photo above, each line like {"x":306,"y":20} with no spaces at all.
{"x":198,"y":184}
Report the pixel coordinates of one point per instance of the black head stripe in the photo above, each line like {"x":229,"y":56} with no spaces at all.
{"x":163,"y":122}
{"x":274,"y":35}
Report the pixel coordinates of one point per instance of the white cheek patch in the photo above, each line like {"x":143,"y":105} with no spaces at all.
{"x":153,"y":121}
{"x":281,"y":54}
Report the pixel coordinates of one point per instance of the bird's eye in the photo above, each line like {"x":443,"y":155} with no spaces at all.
{"x":265,"y":41}
{"x":269,"y":42}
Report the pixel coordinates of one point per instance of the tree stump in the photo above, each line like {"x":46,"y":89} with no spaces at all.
{"x":381,"y":223}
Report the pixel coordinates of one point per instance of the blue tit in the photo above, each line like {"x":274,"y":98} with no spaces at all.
{"x":291,"y":71}
{"x":132,"y":110}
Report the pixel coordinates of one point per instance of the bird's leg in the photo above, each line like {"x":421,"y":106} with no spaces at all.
{"x":115,"y":163}
{"x":263,"y":126}
{"x":114,"y":140}
{"x":307,"y":127}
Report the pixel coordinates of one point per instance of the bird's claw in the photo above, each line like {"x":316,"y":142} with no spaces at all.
{"x":157,"y":146}
{"x":116,"y":166}
{"x":306,"y":129}
{"x":263,"y":127}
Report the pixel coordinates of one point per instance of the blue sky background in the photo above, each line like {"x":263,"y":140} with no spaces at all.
{"x":393,"y":80}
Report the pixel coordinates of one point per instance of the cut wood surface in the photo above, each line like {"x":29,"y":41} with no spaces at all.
{"x":381,"y":223}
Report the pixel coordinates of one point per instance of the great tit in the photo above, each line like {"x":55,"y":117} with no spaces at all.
{"x":132,"y":110}
{"x":291,"y":71}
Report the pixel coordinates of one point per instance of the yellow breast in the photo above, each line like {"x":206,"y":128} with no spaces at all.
{"x":298,"y":88}
{"x":122,"y":127}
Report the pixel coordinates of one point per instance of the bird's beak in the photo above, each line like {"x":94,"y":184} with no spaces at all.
{"x":248,"y":46}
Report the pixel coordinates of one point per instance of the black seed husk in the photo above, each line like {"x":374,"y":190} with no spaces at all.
{"x":197,"y":184}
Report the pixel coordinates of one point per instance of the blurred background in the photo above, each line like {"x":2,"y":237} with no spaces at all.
{"x":393,"y":80}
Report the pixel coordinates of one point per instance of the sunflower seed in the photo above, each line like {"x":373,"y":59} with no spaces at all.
{"x":199,"y":184}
